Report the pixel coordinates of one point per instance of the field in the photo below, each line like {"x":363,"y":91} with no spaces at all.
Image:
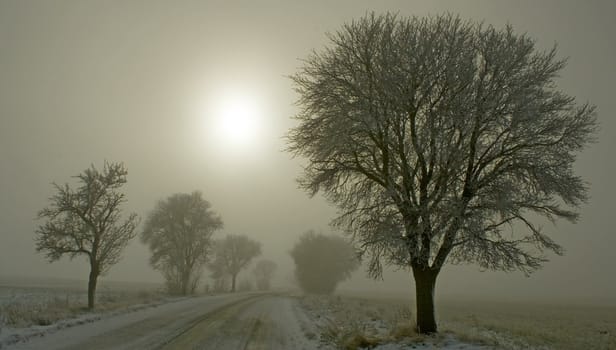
{"x":40,"y":302}
{"x":32,"y":307}
{"x":523,"y":325}
{"x":348,"y":321}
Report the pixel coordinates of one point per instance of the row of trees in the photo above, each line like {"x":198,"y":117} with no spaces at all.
{"x":178,"y":231}
{"x":87,"y":221}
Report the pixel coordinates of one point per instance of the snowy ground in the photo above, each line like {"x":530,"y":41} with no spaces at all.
{"x":387,"y":323}
{"x":231,"y":321}
{"x":348,"y":323}
{"x":139,"y":328}
{"x":266,"y":321}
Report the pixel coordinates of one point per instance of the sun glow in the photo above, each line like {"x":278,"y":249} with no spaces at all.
{"x":237,"y":120}
{"x":233,"y":121}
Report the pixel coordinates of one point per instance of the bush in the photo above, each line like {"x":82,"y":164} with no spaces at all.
{"x":321,"y":262}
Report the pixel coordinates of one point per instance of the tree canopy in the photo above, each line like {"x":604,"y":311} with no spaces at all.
{"x":440,"y":140}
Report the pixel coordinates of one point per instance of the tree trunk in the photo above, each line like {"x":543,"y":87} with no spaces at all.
{"x":92,"y":286}
{"x":233,"y":282}
{"x":425,"y":282}
{"x":184,"y":285}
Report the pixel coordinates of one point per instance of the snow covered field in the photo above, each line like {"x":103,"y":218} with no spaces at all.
{"x":23,"y":306}
{"x":351,"y":323}
{"x":32,"y":307}
{"x":137,"y":318}
{"x":464,"y":324}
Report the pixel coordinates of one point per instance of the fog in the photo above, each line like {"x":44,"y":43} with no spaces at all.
{"x":84,"y":82}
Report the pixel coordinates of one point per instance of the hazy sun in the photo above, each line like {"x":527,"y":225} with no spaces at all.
{"x":233,"y":121}
{"x":237,"y":120}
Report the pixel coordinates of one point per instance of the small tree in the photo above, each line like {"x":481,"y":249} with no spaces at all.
{"x":264,"y":271}
{"x":434,"y":136}
{"x":233,"y":254}
{"x":86,"y":221}
{"x":321,"y":262}
{"x":179,"y":234}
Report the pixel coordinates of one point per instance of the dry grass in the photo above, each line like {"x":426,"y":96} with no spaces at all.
{"x":24,"y":314}
{"x":347,"y":336}
{"x":527,"y":325}
{"x":46,"y":309}
{"x":348,"y":321}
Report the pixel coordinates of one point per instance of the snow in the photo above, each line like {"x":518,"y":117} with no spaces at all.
{"x":341,"y":321}
{"x":89,"y":326}
{"x":242,"y":321}
{"x":449,"y":344}
{"x":230,"y":321}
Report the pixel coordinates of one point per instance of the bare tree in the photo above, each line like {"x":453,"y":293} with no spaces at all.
{"x":321,"y":262}
{"x":436,"y":137}
{"x":233,"y":254}
{"x":87,"y":222}
{"x":179,"y":234}
{"x":264,"y":271}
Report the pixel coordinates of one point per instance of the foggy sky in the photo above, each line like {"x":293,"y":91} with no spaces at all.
{"x":86,"y":81}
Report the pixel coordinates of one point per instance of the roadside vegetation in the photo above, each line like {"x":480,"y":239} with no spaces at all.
{"x":322,"y":261}
{"x":346,"y":322}
{"x":26,"y":307}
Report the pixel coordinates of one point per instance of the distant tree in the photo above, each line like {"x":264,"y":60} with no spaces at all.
{"x":233,"y":254}
{"x":321,"y":262}
{"x":179,"y":234}
{"x":86,"y":221}
{"x":264,"y":271}
{"x":219,"y":275}
{"x":434,"y":136}
{"x":245,"y":285}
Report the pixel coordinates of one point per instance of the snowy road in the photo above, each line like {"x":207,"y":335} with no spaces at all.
{"x":248,"y":321}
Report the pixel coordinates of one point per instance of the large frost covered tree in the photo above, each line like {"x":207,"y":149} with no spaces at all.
{"x":87,"y":221}
{"x":440,"y":140}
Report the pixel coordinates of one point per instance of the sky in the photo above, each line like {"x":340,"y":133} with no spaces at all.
{"x":145,"y":83}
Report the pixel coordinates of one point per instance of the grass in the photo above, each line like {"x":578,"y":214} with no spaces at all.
{"x":43,"y":307}
{"x":347,"y":336}
{"x":24,"y":314}
{"x":353,"y":323}
{"x":528,"y":325}
{"x":356,"y":323}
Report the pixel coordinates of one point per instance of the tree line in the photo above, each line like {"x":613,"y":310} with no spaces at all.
{"x":87,"y":221}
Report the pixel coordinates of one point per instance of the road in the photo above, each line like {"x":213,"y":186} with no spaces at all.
{"x":246,"y":321}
